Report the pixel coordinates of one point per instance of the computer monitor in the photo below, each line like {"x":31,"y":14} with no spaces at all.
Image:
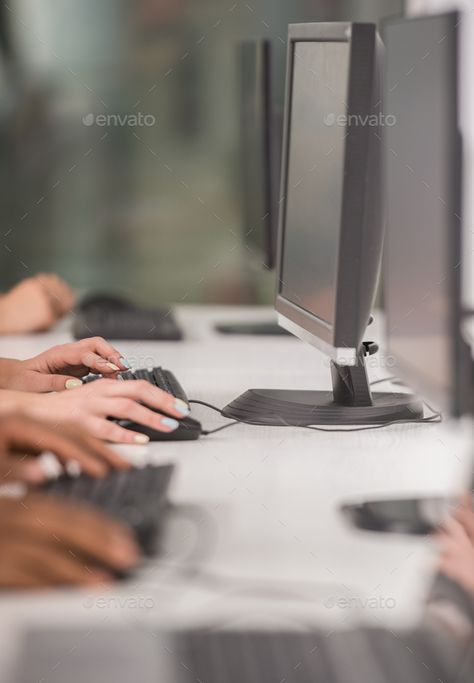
{"x":260,"y":135}
{"x":331,"y":226}
{"x":423,"y":178}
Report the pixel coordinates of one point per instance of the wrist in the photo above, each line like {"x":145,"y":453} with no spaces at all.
{"x":20,"y":402}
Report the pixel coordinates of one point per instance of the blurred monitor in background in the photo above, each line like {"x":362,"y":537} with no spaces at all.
{"x":260,"y":152}
{"x":124,"y":173}
{"x":423,"y":188}
{"x":261,"y":130}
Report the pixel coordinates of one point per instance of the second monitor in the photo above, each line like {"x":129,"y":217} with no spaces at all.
{"x":331,"y":227}
{"x":260,"y":150}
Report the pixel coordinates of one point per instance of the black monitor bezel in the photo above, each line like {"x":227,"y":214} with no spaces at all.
{"x":458,"y":401}
{"x":348,"y":328}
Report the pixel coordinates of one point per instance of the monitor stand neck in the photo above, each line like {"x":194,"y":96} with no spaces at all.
{"x":350,"y":384}
{"x":350,"y":402}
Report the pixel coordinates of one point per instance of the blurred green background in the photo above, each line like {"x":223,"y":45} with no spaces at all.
{"x":120,"y":140}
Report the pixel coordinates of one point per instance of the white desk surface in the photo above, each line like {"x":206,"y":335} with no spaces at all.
{"x":274,"y":548}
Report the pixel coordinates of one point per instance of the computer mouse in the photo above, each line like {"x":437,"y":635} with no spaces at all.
{"x":188,"y":430}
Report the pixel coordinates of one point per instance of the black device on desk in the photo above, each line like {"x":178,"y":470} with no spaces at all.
{"x":116,"y":317}
{"x":135,"y":497}
{"x":189,"y":428}
{"x":260,"y":152}
{"x":331,"y":228}
{"x":418,"y":516}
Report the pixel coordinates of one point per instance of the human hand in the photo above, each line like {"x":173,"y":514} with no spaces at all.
{"x":465,"y":515}
{"x":456,"y":543}
{"x":61,"y":367}
{"x":90,"y":405}
{"x":35,"y":304}
{"x":45,"y":541}
{"x":22,"y":437}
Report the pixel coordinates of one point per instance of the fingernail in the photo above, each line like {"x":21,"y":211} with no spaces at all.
{"x":169,"y":422}
{"x":141,"y":438}
{"x":73,"y":383}
{"x":181,"y":407}
{"x":113,"y":367}
{"x":126,"y":363}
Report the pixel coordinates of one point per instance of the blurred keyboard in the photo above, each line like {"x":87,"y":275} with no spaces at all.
{"x":359,"y":656}
{"x":119,"y":655}
{"x":135,"y":497}
{"x":115,"y":317}
{"x":189,"y":428}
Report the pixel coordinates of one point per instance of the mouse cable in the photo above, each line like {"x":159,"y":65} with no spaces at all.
{"x":192,"y":567}
{"x":257,"y":588}
{"x":435,"y":418}
{"x":208,"y":432}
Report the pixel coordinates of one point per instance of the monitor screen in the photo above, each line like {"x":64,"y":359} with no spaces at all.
{"x":422,"y":199}
{"x":315,"y":176}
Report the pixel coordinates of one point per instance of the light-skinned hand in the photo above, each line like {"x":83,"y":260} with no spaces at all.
{"x":89,"y":407}
{"x":22,"y":438}
{"x":35,"y":304}
{"x":61,"y":367}
{"x":456,"y":543}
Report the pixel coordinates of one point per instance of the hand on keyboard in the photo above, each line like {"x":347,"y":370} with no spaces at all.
{"x":22,"y":435}
{"x":136,"y":498}
{"x":91,"y":405}
{"x":46,"y":541}
{"x":61,"y":367}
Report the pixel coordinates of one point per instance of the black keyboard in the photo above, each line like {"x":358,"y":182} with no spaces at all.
{"x":117,"y":318}
{"x":135,"y":497}
{"x":360,"y":656}
{"x":189,"y":428}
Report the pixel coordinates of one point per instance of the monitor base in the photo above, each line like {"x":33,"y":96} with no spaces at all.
{"x":273,"y":407}
{"x":268,"y":329}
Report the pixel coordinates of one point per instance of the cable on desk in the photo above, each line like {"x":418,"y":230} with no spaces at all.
{"x":255,"y":587}
{"x":191,"y":567}
{"x":385,"y":379}
{"x":217,"y":429}
{"x":435,"y":418}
